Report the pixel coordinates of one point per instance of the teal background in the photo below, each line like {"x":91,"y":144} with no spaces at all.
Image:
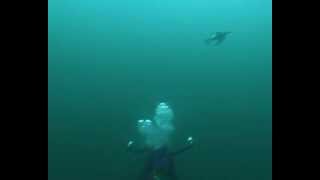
{"x":112,"y":61}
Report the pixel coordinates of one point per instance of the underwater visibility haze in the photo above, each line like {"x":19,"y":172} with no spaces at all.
{"x":112,"y":62}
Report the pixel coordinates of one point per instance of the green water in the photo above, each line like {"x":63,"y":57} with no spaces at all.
{"x":112,"y":61}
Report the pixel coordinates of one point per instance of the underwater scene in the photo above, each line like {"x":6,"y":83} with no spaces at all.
{"x":160,"y":90}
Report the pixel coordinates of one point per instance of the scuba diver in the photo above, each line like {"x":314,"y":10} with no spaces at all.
{"x":160,"y":161}
{"x":219,"y":37}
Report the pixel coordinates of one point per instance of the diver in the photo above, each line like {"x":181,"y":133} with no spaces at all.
{"x":219,"y":37}
{"x":160,"y":161}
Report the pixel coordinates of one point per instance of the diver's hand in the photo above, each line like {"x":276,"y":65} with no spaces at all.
{"x":190,"y":140}
{"x":130,"y":144}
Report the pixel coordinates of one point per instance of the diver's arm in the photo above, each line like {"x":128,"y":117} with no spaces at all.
{"x":131,"y":148}
{"x":187,"y":147}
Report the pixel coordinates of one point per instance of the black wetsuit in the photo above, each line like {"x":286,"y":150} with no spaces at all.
{"x":219,"y":38}
{"x":160,"y":162}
